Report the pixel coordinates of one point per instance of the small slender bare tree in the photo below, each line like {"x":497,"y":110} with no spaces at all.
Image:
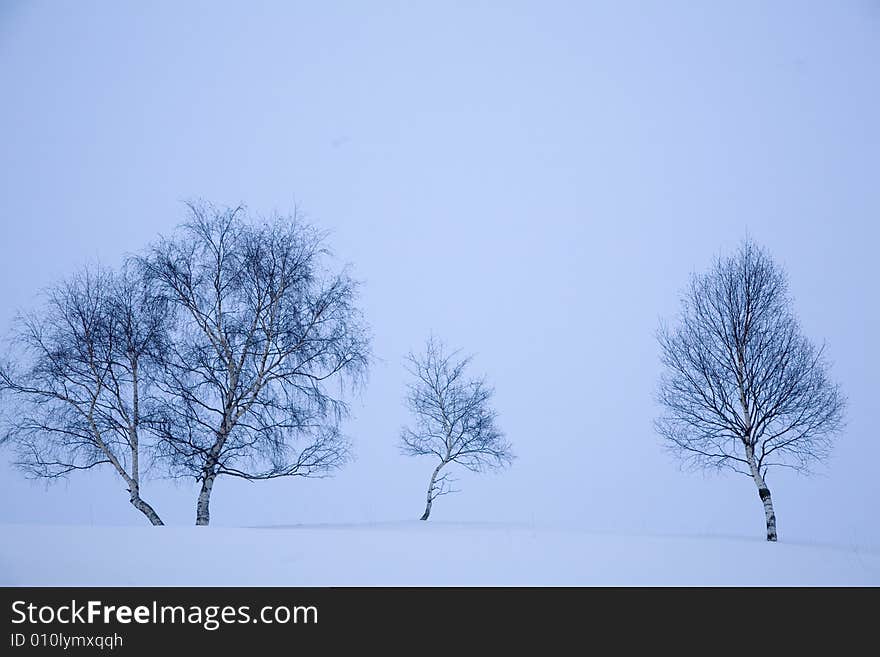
{"x":79,"y":382}
{"x":454,"y":421}
{"x":262,"y":330}
{"x":743,"y":388}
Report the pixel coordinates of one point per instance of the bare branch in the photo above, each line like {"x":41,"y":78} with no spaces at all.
{"x":453,"y":419}
{"x":741,"y":383}
{"x":79,"y":386}
{"x":263,"y":329}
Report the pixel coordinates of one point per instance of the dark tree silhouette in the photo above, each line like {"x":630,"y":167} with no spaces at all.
{"x":79,"y":385}
{"x":743,"y":388}
{"x":454,"y":421}
{"x":263,"y":333}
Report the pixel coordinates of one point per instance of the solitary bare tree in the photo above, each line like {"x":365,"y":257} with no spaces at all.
{"x":454,"y":421}
{"x":78,"y":386}
{"x":743,"y":388}
{"x":262,"y":330}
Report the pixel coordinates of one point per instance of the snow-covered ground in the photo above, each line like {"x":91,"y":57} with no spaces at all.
{"x":411,"y":554}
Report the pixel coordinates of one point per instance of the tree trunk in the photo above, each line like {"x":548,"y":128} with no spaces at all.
{"x":764,"y":494}
{"x":431,"y":495}
{"x":146,"y":509}
{"x":203,"y":513}
{"x":134,"y":440}
{"x":209,"y":474}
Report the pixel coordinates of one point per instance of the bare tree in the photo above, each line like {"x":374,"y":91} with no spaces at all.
{"x":454,"y":421}
{"x":262,"y":332}
{"x":79,"y":384}
{"x":743,"y":388}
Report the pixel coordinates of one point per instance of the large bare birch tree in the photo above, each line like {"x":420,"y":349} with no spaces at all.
{"x":266,"y":340}
{"x":77,"y":386}
{"x":454,"y":421}
{"x":743,"y":389}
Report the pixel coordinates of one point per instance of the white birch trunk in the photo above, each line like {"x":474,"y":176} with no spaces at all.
{"x":764,"y":494}
{"x":209,"y":474}
{"x":134,"y":487}
{"x":203,"y":513}
{"x":431,"y":495}
{"x":144,"y":507}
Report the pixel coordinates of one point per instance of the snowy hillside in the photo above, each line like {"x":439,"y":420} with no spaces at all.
{"x":412,"y":554}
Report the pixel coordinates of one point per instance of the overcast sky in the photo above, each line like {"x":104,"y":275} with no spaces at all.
{"x":532,"y":182}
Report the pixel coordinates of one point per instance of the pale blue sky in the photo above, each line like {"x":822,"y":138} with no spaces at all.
{"x":532,"y":181}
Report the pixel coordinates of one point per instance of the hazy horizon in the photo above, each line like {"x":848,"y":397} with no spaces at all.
{"x":531,"y":182}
